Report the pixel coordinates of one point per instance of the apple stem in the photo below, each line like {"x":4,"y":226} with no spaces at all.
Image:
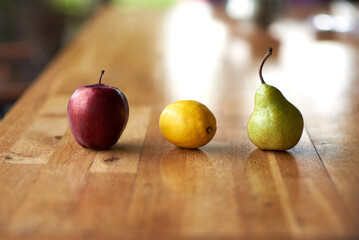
{"x":99,"y":81}
{"x":269,"y":52}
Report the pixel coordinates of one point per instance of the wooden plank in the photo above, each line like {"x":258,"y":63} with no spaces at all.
{"x":70,"y":175}
{"x":251,"y":192}
{"x":336,"y":144}
{"x":36,"y":143}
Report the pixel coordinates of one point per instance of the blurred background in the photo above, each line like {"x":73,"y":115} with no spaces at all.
{"x":33,"y":31}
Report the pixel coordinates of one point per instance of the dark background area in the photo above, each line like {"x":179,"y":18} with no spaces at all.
{"x":31,"y":33}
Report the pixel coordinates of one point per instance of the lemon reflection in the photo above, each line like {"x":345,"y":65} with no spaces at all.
{"x":179,"y":168}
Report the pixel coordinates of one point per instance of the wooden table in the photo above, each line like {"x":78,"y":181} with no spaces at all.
{"x":144,"y":187}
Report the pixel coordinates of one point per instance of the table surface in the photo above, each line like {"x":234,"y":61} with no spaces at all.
{"x":146,"y":188}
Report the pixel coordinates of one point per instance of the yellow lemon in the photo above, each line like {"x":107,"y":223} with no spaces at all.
{"x":187,"y":124}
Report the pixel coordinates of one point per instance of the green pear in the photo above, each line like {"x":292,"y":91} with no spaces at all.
{"x":275,"y":123}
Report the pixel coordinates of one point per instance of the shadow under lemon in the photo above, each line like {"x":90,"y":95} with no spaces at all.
{"x":180,"y":167}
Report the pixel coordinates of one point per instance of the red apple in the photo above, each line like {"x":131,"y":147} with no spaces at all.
{"x":97,"y":115}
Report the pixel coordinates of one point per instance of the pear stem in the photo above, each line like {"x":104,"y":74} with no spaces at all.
{"x":269,"y":52}
{"x":99,"y":81}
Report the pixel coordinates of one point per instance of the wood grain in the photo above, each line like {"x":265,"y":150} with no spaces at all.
{"x":146,"y":188}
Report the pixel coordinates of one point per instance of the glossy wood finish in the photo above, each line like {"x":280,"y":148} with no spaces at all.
{"x":145,"y":188}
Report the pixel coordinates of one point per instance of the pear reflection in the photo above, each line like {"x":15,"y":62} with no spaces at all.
{"x":269,"y":171}
{"x":179,"y":168}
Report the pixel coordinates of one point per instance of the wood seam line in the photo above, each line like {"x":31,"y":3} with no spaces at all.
{"x":139,"y":159}
{"x":88,"y":170}
{"x":132,"y":191}
{"x":329,"y":176}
